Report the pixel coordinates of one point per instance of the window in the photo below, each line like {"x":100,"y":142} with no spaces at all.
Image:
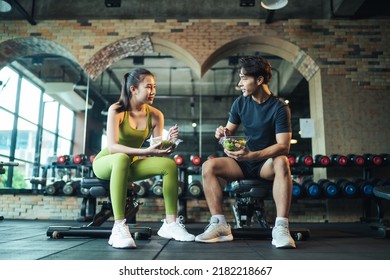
{"x":8,"y":88}
{"x":31,"y":140}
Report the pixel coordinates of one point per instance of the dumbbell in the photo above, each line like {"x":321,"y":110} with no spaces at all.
{"x":321,"y":160}
{"x":329,"y":189}
{"x":386,"y":159}
{"x":195,"y":188}
{"x":305,"y":160}
{"x":180,"y":189}
{"x":347,"y":187}
{"x":143,"y":188}
{"x":157,"y":188}
{"x":292,"y":159}
{"x":356,"y":160}
{"x":365,"y":187}
{"x":311,"y":188}
{"x":339,"y":160}
{"x":297,"y":190}
{"x":373,"y":160}
{"x":71,"y":187}
{"x":55,"y":187}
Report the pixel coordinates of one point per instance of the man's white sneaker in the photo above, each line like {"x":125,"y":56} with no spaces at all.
{"x":175,"y":230}
{"x":281,"y":237}
{"x":215,"y":232}
{"x":121,"y":237}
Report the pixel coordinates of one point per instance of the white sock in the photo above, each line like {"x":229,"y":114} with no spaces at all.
{"x":119,"y":221}
{"x":285,"y":220}
{"x":221,"y":219}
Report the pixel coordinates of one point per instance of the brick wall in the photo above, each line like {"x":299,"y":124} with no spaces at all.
{"x":40,"y":207}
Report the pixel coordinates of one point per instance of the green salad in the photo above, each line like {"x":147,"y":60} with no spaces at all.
{"x":234,"y":144}
{"x":165,"y":144}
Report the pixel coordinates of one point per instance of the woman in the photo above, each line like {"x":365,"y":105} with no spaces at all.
{"x":130,"y":122}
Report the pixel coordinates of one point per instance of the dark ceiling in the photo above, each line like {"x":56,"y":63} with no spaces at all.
{"x":174,"y":78}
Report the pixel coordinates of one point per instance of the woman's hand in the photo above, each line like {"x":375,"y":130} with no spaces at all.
{"x":173,"y":133}
{"x":155,"y":150}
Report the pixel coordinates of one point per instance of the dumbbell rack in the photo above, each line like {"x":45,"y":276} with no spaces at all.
{"x":303,"y":165}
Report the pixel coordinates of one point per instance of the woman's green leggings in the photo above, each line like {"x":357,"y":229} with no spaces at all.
{"x":120,"y":170}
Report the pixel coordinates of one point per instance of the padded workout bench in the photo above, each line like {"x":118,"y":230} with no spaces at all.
{"x":101,"y":188}
{"x":249,"y":204}
{"x":382,"y":192}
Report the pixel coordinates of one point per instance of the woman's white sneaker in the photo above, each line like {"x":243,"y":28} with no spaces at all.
{"x":121,"y":237}
{"x":175,"y":230}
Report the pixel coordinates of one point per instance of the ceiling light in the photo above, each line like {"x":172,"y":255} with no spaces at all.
{"x":247,"y":3}
{"x":112,"y":3}
{"x":5,"y":7}
{"x":274,"y":4}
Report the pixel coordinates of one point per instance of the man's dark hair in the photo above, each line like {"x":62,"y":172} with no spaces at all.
{"x":256,"y":66}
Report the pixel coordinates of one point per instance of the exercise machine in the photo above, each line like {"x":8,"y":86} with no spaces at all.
{"x":97,"y":188}
{"x":2,"y":171}
{"x":249,"y":208}
{"x":382,"y":192}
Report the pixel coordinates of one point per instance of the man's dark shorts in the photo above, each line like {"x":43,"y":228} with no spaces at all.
{"x":251,"y":169}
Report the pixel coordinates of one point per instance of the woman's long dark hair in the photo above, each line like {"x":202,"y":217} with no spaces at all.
{"x":134,"y":78}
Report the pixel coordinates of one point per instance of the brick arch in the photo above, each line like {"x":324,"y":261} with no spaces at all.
{"x":117,"y":51}
{"x":271,"y":45}
{"x":20,"y":47}
{"x":170,"y":48}
{"x":137,"y":46}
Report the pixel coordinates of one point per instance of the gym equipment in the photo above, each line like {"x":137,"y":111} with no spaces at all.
{"x":365,"y":187}
{"x":347,"y":188}
{"x":100,"y":188}
{"x":339,"y":160}
{"x":356,"y":160}
{"x":382,"y":193}
{"x":55,"y":187}
{"x":297,"y":190}
{"x":195,"y":189}
{"x":311,"y":188}
{"x":179,"y":160}
{"x":249,"y":204}
{"x":373,"y":160}
{"x":157,"y":189}
{"x":292,"y":159}
{"x":2,"y":171}
{"x":196,"y":164}
{"x":321,"y":161}
{"x":329,"y":189}
{"x":385,"y":159}
{"x":305,"y":160}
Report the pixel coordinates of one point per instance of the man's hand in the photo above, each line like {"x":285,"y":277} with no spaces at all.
{"x":241,"y":155}
{"x":221,"y":131}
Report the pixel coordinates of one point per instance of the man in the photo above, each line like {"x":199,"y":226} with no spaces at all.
{"x":267,"y":122}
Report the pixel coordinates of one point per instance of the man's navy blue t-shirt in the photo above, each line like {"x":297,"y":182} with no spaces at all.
{"x":261,"y":122}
